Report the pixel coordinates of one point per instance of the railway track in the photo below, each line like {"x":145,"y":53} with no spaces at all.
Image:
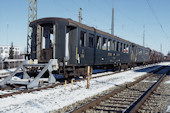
{"x":15,"y":89}
{"x":159,"y":99}
{"x":128,"y":98}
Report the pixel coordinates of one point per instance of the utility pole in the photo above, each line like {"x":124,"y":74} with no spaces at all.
{"x":32,"y":15}
{"x":7,"y":33}
{"x":80,"y":15}
{"x":161,"y":48}
{"x":143,"y":35}
{"x":112,"y":26}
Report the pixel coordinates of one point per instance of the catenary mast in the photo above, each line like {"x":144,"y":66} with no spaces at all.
{"x":112,"y":26}
{"x":32,"y":15}
{"x":80,"y":15}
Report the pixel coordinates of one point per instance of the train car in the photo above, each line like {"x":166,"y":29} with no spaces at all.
{"x":141,"y":54}
{"x":79,"y":48}
{"x":155,"y":57}
{"x":160,"y":57}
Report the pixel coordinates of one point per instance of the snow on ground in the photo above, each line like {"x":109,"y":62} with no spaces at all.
{"x":7,"y":70}
{"x":58,"y":97}
{"x":168,"y":109}
{"x":167,"y":82}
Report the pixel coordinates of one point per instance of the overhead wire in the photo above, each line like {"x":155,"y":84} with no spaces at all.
{"x":68,"y":10}
{"x":105,"y":13}
{"x":157,"y":19}
{"x":121,"y":12}
{"x":65,"y":8}
{"x":98,"y":7}
{"x":75,"y":3}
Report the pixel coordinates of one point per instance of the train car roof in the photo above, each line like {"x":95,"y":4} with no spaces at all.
{"x":74,"y":23}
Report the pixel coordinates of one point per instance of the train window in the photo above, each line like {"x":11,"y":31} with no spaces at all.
{"x":127,"y":49}
{"x":124,"y":48}
{"x":113,"y":45}
{"x":140,"y":51}
{"x":91,"y":40}
{"x":109,"y":43}
{"x":104,"y":44}
{"x":146,"y":52}
{"x":82,"y":39}
{"x":117,"y":48}
{"x":98,"y":43}
{"x":121,"y":47}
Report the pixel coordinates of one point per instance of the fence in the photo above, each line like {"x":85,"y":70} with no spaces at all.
{"x":12,"y":63}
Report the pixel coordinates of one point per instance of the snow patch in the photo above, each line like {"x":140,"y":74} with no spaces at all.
{"x":167,"y":82}
{"x":168,"y":109}
{"x":52,"y":99}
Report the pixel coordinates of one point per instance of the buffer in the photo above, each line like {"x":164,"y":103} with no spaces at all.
{"x":29,"y":81}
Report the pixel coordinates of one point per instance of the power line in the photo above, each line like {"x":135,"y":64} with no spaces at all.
{"x":71,"y":12}
{"x":143,"y":35}
{"x":75,"y":3}
{"x":121,"y":12}
{"x":64,"y":7}
{"x":98,"y":7}
{"x":125,"y":15}
{"x":157,"y":19}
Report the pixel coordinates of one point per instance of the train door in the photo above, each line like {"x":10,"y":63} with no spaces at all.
{"x":82,"y":46}
{"x":86,"y":48}
{"x":133,"y":54}
{"x":45,"y":37}
{"x":34,"y":43}
{"x":70,"y":45}
{"x":90,"y":48}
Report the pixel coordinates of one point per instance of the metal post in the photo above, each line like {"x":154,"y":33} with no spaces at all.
{"x":88,"y":77}
{"x":112,"y":26}
{"x":72,"y":83}
{"x":80,"y":15}
{"x":7,"y":33}
{"x":65,"y":84}
{"x":32,"y":15}
{"x":143,"y":35}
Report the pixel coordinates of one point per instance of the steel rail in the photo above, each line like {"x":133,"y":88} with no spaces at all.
{"x":135,"y":106}
{"x":53,"y":85}
{"x":57,"y":84}
{"x":97,"y":101}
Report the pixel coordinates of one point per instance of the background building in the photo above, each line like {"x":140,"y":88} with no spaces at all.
{"x":4,"y":52}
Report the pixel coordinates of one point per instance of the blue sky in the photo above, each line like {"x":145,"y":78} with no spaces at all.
{"x":130,"y":17}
